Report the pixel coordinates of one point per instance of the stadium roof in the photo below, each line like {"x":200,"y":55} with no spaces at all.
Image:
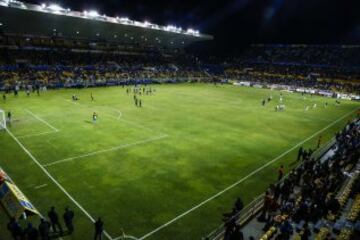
{"x":52,"y":20}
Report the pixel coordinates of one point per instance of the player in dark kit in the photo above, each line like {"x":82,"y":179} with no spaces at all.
{"x":9,"y":115}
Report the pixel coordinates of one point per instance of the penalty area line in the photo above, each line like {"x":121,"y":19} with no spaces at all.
{"x":123,"y":237}
{"x":54,"y":180}
{"x":42,"y":120}
{"x":244,"y":178}
{"x":119,"y":117}
{"x":106,"y":150}
{"x":40,"y":186}
{"x":36,"y":134}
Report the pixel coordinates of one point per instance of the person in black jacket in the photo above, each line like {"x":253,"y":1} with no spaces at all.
{"x":68,"y":219}
{"x":15,"y":229}
{"x":44,"y":229}
{"x":54,"y":220}
{"x":99,"y":226}
{"x":31,"y":232}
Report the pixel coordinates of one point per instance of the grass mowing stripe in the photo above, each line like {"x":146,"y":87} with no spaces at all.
{"x":105,"y":150}
{"x":244,"y":178}
{"x":42,"y":120}
{"x":54,"y":180}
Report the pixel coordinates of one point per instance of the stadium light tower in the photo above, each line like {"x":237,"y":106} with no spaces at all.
{"x":4,"y":2}
{"x":91,"y":13}
{"x":55,"y":7}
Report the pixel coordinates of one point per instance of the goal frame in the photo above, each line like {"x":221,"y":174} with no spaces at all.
{"x":2,"y":120}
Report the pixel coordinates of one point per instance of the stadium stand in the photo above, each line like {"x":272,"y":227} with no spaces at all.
{"x":55,"y":63}
{"x":327,"y":67}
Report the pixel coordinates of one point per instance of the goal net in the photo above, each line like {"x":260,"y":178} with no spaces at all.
{"x":2,"y":120}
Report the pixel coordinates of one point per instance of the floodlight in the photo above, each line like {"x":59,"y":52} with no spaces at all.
{"x":91,"y":13}
{"x":55,"y":8}
{"x":5,"y":2}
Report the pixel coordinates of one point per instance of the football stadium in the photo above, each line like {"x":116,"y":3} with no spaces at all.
{"x":113,"y":128}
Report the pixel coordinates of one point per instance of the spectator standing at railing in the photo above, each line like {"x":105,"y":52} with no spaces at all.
{"x":281,"y":172}
{"x":266,"y":207}
{"x":237,"y":234}
{"x":300,"y":153}
{"x":319,"y":142}
{"x":2,"y":177}
{"x":285,"y":191}
{"x":277,"y":191}
{"x":239,"y":205}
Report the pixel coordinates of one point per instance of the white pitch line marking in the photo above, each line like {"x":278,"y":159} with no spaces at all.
{"x":120,"y":118}
{"x":36,"y":134}
{"x":54,"y":180}
{"x":71,"y":101}
{"x":114,"y":109}
{"x":51,"y":144}
{"x":41,"y":186}
{"x":42,"y":120}
{"x":106,"y":150}
{"x":124,"y":236}
{"x":120,"y":114}
{"x":244,"y":178}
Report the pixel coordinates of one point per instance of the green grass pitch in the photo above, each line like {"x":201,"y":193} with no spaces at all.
{"x":140,"y":168}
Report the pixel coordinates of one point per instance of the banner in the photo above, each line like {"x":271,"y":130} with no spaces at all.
{"x":15,"y":202}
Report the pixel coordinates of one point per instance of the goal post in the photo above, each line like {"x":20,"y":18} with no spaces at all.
{"x":2,"y":120}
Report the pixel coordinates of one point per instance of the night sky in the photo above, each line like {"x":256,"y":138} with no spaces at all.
{"x":236,"y":23}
